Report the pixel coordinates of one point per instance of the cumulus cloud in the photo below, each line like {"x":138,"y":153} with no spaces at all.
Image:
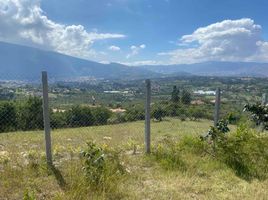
{"x":229,"y":40}
{"x":24,"y":22}
{"x":114,"y":48}
{"x":135,"y":50}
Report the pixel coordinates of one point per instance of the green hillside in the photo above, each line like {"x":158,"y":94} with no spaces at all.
{"x":23,"y":171}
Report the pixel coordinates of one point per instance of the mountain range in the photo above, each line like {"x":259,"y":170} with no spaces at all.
{"x":26,"y":63}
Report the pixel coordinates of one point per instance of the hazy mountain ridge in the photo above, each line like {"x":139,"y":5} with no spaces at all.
{"x":214,"y":69}
{"x":22,"y":63}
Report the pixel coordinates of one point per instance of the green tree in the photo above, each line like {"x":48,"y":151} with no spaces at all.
{"x":58,"y":120}
{"x":175,"y":94}
{"x":186,"y":97}
{"x":8,"y":117}
{"x":31,"y":114}
{"x":79,"y":116}
{"x":158,"y":113}
{"x":101,"y":115}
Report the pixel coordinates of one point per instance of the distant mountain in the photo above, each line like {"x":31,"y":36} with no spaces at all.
{"x":214,"y":69}
{"x":26,"y":63}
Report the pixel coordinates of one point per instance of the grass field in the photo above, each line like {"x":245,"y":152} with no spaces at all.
{"x":23,"y":173}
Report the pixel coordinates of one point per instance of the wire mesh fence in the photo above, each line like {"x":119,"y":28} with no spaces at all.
{"x":105,"y":107}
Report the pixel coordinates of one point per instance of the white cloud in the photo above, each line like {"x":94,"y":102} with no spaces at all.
{"x":135,"y":50}
{"x":24,"y":22}
{"x":142,"y":62}
{"x":229,"y":40}
{"x":114,"y":48}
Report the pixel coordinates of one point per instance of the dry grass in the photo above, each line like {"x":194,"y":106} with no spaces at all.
{"x":23,"y":169}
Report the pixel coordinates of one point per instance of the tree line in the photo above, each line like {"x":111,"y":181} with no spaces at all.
{"x":28,"y":115}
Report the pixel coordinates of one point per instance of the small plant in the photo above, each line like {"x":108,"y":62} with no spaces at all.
{"x":168,"y":152}
{"x":28,"y":195}
{"x":102,"y":167}
{"x":217,"y":132}
{"x":259,"y":114}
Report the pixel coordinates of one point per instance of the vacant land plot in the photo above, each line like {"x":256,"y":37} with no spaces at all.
{"x":23,"y":172}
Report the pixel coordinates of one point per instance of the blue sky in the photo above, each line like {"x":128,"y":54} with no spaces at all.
{"x":141,"y":31}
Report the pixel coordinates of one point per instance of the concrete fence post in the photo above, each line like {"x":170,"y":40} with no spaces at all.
{"x":46,"y":118}
{"x":217,"y":106}
{"x":264,"y":99}
{"x":147,"y":116}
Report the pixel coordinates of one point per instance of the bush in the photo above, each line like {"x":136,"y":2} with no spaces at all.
{"x":58,"y":120}
{"x":101,"y":115}
{"x":245,"y":152}
{"x":102,"y":167}
{"x":30,"y":114}
{"x":135,"y":113}
{"x":80,"y":116}
{"x":168,"y":152}
{"x":8,"y":117}
{"x":158,"y":113}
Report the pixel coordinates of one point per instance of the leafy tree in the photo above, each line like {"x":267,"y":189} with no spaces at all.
{"x":80,"y":116}
{"x":58,"y":120}
{"x":135,"y":113}
{"x":158,"y":113}
{"x":101,"y":115}
{"x":186,"y":97}
{"x":31,"y":114}
{"x":175,"y":95}
{"x":8,"y":117}
{"x":259,"y":114}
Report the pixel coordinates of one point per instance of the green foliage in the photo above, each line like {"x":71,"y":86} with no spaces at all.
{"x":31,"y":114}
{"x":8,"y":117}
{"x":102,"y":167}
{"x":101,"y":115}
{"x":79,"y":116}
{"x":135,"y":113}
{"x":217,"y":133}
{"x":186,"y":97}
{"x":168,"y":152}
{"x":245,"y":152}
{"x":28,"y":195}
{"x":259,"y":114}
{"x":175,"y":95}
{"x":158,"y":113}
{"x":58,"y":120}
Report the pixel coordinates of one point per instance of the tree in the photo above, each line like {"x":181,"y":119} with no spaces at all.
{"x":101,"y":115}
{"x":31,"y":114}
{"x":80,"y":116}
{"x":259,"y":114}
{"x":186,"y":97}
{"x":158,"y":113}
{"x":8,"y":117}
{"x":175,"y":95}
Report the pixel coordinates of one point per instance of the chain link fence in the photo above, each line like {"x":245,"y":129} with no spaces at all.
{"x":105,"y":107}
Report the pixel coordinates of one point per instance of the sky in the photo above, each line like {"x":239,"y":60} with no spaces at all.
{"x":139,"y":32}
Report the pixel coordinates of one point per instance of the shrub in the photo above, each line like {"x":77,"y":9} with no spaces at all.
{"x":30,"y":115}
{"x":135,"y":113}
{"x":102,"y":167}
{"x":8,"y":117}
{"x":168,"y":152}
{"x":245,"y":152}
{"x":80,"y":116}
{"x":101,"y":115}
{"x":259,"y":114}
{"x":58,"y":120}
{"x":158,"y":113}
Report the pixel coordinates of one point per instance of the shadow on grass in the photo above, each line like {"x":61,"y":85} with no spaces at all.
{"x":57,"y":173}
